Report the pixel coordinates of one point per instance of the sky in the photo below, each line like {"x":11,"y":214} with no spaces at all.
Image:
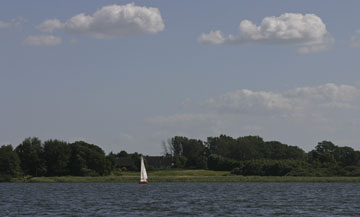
{"x":128,"y":75}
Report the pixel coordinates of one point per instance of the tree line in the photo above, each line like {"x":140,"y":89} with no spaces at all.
{"x":53,"y":158}
{"x":59,"y":158}
{"x":249,"y":155}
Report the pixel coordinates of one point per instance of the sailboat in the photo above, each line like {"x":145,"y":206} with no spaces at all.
{"x":143,"y":174}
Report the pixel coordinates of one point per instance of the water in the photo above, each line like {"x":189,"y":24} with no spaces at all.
{"x":180,"y":199}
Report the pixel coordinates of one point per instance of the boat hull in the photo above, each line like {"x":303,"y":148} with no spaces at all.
{"x":143,"y":182}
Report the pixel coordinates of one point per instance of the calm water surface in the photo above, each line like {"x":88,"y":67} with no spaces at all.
{"x":180,"y":199}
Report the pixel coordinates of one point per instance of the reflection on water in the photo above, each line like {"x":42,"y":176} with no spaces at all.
{"x":180,"y":199}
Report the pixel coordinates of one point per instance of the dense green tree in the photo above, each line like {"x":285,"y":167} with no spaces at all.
{"x":87,"y":159}
{"x":194,"y":151}
{"x":111,"y":162}
{"x":9,"y":162}
{"x":177,"y":143}
{"x":179,"y":161}
{"x":30,"y":153}
{"x":325,"y":147}
{"x":252,"y":147}
{"x":217,"y":162}
{"x":122,"y":154}
{"x":277,"y":151}
{"x":220,"y":145}
{"x":267,"y":167}
{"x":346,"y":156}
{"x":57,"y":157}
{"x":246,"y":148}
{"x":136,"y":157}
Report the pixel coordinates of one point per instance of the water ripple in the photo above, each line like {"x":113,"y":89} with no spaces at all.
{"x":179,"y":199}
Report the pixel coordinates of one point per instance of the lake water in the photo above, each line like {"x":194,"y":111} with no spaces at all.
{"x":180,"y":199}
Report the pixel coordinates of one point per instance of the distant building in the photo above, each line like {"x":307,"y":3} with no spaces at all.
{"x":159,"y":162}
{"x":125,"y":162}
{"x":153,"y":162}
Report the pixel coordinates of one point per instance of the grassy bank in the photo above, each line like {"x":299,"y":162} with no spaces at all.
{"x":188,"y":176}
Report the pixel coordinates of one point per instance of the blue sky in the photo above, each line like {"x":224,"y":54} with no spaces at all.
{"x":286,"y":71}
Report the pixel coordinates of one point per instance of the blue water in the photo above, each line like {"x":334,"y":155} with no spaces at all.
{"x":180,"y":199}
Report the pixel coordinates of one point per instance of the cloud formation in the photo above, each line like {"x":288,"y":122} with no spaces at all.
{"x":355,"y":39}
{"x":221,"y":111}
{"x":4,"y":25}
{"x":50,"y":25}
{"x":110,"y":22}
{"x":292,"y":101}
{"x":42,"y":40}
{"x":13,"y":23}
{"x":307,"y":31}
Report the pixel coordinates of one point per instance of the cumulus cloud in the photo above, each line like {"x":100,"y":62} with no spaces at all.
{"x":213,"y":37}
{"x":310,"y":101}
{"x":50,"y":25}
{"x":355,"y":39}
{"x":13,"y":23}
{"x":110,"y":22}
{"x":4,"y":25}
{"x":249,"y":101}
{"x":42,"y":40}
{"x":307,"y":31}
{"x":297,"y":100}
{"x":326,"y":93}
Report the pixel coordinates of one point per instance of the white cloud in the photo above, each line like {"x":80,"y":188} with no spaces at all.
{"x":307,"y":31}
{"x":313,"y":102}
{"x":13,"y":23}
{"x":249,"y":102}
{"x":110,"y":22}
{"x":50,"y":25}
{"x":294,"y":101}
{"x":355,"y":39}
{"x":42,"y":40}
{"x":328,"y":92}
{"x":4,"y":25}
{"x":213,"y":37}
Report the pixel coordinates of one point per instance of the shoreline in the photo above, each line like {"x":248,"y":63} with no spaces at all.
{"x":185,"y":179}
{"x":185,"y":176}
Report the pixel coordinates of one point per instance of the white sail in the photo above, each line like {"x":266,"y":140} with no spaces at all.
{"x":143,"y":174}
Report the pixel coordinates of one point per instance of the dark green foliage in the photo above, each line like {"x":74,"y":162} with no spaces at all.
{"x":252,"y":147}
{"x":110,"y":162}
{"x":122,"y":154}
{"x":278,"y":151}
{"x":87,"y":160}
{"x":328,"y":153}
{"x":217,"y":162}
{"x":251,"y":155}
{"x":136,"y":157}
{"x":57,"y":157}
{"x":31,"y":159}
{"x":180,"y":161}
{"x":270,"y":168}
{"x":325,"y":147}
{"x":193,"y":150}
{"x":346,"y":156}
{"x":9,"y":163}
